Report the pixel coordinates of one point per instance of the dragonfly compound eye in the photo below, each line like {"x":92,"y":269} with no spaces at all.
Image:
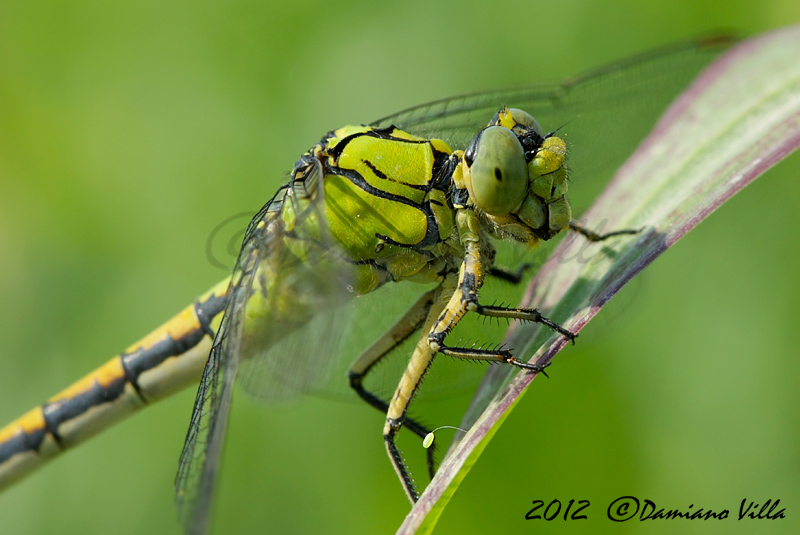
{"x":525,"y":119}
{"x":498,"y":172}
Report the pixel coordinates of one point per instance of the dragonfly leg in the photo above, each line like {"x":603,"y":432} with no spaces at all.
{"x":501,"y":355}
{"x":441,"y":319}
{"x":524,"y":314}
{"x":491,"y":355}
{"x":594,"y":237}
{"x":388,"y":342}
{"x":465,"y":299}
{"x":514,"y":277}
{"x":409,"y":383}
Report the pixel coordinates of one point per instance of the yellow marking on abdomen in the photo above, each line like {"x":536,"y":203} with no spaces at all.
{"x":164,"y":362}
{"x":104,"y":375}
{"x":183,"y":323}
{"x":31,"y":421}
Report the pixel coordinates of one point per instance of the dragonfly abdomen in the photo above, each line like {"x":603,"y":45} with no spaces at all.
{"x":164,"y":362}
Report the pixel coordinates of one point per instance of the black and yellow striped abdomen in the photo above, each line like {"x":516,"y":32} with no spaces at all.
{"x":162,"y":363}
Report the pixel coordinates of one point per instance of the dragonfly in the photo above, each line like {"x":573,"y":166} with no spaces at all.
{"x":417,"y":198}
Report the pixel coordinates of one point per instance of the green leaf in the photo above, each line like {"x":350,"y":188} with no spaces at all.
{"x":740,"y":117}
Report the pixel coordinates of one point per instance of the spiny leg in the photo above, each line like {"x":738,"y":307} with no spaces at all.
{"x":411,"y":321}
{"x":532,"y":314}
{"x":500,"y":355}
{"x":515,"y":277}
{"x":524,"y":314}
{"x":595,"y":237}
{"x":465,"y":299}
{"x":441,"y":320}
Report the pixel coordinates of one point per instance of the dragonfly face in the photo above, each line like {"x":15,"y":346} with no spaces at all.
{"x":516,"y":177}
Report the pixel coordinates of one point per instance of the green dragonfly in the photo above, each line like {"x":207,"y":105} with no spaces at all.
{"x":417,"y":197}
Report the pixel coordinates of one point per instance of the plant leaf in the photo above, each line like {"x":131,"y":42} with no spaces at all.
{"x":739,"y":118}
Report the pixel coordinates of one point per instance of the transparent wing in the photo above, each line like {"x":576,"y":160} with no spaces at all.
{"x":603,"y":114}
{"x":286,"y":273}
{"x":287,"y":316}
{"x":199,"y":460}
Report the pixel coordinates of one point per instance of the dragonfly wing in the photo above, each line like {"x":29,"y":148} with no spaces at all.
{"x":302,"y":360}
{"x":605,"y":112}
{"x":200,"y":458}
{"x":307,"y":280}
{"x":288,"y":270}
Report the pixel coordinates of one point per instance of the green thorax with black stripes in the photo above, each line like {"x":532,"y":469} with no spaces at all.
{"x":387,"y":203}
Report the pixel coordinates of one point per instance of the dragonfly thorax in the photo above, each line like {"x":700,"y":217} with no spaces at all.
{"x":391,"y":198}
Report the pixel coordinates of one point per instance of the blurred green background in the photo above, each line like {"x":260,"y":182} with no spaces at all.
{"x":129,"y":130}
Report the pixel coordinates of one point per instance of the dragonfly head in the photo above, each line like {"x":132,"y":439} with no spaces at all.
{"x":516,"y":177}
